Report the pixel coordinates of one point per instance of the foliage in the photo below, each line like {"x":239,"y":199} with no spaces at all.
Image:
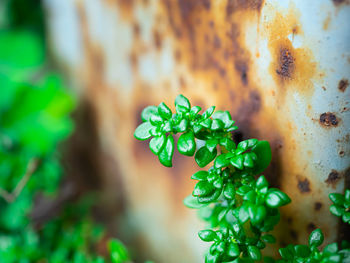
{"x":236,"y":202}
{"x":239,"y":208}
{"x":341,"y":205}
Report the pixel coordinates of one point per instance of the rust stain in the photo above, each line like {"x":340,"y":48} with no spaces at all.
{"x":343,"y":84}
{"x":304,"y":185}
{"x":333,"y":178}
{"x":318,"y":206}
{"x":311,"y":227}
{"x":291,"y":67}
{"x":326,"y":22}
{"x":340,"y":2}
{"x":329,"y":119}
{"x":157,"y":39}
{"x":234,"y":5}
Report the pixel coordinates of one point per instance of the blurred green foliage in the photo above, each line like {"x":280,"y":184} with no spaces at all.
{"x":34,"y":119}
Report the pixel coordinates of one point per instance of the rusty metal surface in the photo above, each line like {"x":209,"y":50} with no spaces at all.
{"x":282,"y":68}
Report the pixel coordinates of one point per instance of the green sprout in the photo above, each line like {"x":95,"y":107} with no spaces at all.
{"x":341,"y":205}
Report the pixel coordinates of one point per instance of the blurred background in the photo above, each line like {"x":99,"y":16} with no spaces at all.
{"x":75,"y":76}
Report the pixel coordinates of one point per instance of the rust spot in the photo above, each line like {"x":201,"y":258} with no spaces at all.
{"x":318,"y":206}
{"x":328,"y":119}
{"x":311,"y":227}
{"x":304,"y":185}
{"x":286,"y":63}
{"x":293,"y":234}
{"x":324,"y":88}
{"x":233,"y":5}
{"x":217,"y":42}
{"x":136,"y":29}
{"x":343,"y":84}
{"x":333,"y":178}
{"x":340,"y":2}
{"x":242,"y":69}
{"x":289,"y":220}
{"x":157,"y":39}
{"x":341,"y":153}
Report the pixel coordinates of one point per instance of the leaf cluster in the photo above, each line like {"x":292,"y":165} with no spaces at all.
{"x":341,"y":205}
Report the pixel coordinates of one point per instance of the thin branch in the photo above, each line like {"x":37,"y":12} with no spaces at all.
{"x":11,"y":197}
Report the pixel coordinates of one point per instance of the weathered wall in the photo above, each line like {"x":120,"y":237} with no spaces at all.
{"x":281,"y":67}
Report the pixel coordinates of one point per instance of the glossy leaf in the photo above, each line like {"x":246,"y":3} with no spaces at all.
{"x":203,"y":188}
{"x":164,"y":111}
{"x":203,"y":156}
{"x":316,"y":238}
{"x":183,"y":102}
{"x":200,"y":175}
{"x":186,"y":144}
{"x":264,"y":155}
{"x":192,"y":202}
{"x":157,"y":143}
{"x":229,"y":191}
{"x":207,"y":235}
{"x":142,"y":132}
{"x":148,"y":112}
{"x":166,"y":155}
{"x":276,"y":198}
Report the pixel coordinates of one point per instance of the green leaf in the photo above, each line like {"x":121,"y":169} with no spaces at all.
{"x":268,"y":238}
{"x":218,"y":183}
{"x":316,"y":238}
{"x":337,"y":199}
{"x":200,"y":175}
{"x":227,"y":143}
{"x":186,"y":144}
{"x":207,"y":235}
{"x":229,"y":191}
{"x":263,"y":153}
{"x":203,"y":188}
{"x":183,"y":102}
{"x":221,"y":161}
{"x":287,"y":252}
{"x":208,"y":112}
{"x":157,"y":143}
{"x":203,"y":156}
{"x":166,"y":155}
{"x":261,"y":182}
{"x":118,"y":252}
{"x":211,"y":144}
{"x":164,"y":111}
{"x":276,"y":198}
{"x":302,"y":251}
{"x":142,"y":132}
{"x":206,"y":123}
{"x":257,"y":214}
{"x":243,"y":214}
{"x":346,"y":217}
{"x":183,"y":125}
{"x":210,"y":198}
{"x":217,"y":125}
{"x":194,"y":110}
{"x":331,"y":248}
{"x":244,"y":189}
{"x":337,"y":210}
{"x":248,"y":161}
{"x":237,"y":162}
{"x":156,"y":120}
{"x":233,"y":250}
{"x":192,"y":202}
{"x":347,"y":195}
{"x":254,"y":253}
{"x":225,"y":117}
{"x":148,"y":112}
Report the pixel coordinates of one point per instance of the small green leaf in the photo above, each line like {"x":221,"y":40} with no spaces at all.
{"x":243,"y":214}
{"x":337,"y":210}
{"x":210,"y":198}
{"x":148,"y":112}
{"x":203,"y":156}
{"x":194,"y":110}
{"x":142,"y":132}
{"x":183,"y":102}
{"x":183,"y":125}
{"x":206,"y":123}
{"x":157,"y":143}
{"x":217,"y":125}
{"x":186,"y":144}
{"x":248,"y":161}
{"x":200,"y":175}
{"x":156,"y":120}
{"x":316,"y":238}
{"x":164,"y":111}
{"x":208,"y":112}
{"x":227,"y":143}
{"x":207,"y":235}
{"x":346,"y":217}
{"x":331,"y":248}
{"x":261,"y":182}
{"x":268,"y":238}
{"x":221,"y":161}
{"x":192,"y":202}
{"x":229,"y":191}
{"x":244,"y":189}
{"x":302,"y":251}
{"x":263,"y":153}
{"x":218,"y":183}
{"x":257,"y":213}
{"x":225,"y":117}
{"x":347,"y":195}
{"x":233,"y":250}
{"x":337,"y":199}
{"x":276,"y":198}
{"x":254,"y":253}
{"x":237,"y":162}
{"x":166,"y":155}
{"x":211,"y":144}
{"x":287,"y":252}
{"x":203,"y":188}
